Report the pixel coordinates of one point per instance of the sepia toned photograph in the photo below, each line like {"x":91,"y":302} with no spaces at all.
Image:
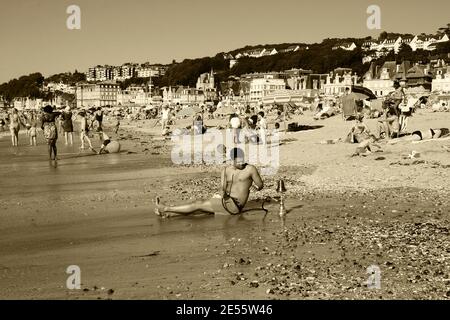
{"x":224,"y":150}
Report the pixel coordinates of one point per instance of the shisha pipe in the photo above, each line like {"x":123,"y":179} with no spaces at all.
{"x":281,"y":189}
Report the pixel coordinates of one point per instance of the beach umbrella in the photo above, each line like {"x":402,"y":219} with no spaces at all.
{"x":363,"y":93}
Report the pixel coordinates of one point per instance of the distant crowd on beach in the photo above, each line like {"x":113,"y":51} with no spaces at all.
{"x":249,"y":123}
{"x":50,"y":122}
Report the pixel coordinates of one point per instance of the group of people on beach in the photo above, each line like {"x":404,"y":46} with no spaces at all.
{"x":248,"y":124}
{"x":392,"y":124}
{"x":50,"y":121}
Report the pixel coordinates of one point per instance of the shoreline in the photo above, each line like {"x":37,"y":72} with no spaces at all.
{"x":329,"y":242}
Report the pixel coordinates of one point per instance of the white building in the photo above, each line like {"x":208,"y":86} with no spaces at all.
{"x":336,"y":83}
{"x":390,"y":44}
{"x":205,"y":81}
{"x":53,"y":86}
{"x":27,"y":103}
{"x":293,"y":48}
{"x":128,"y":71}
{"x":410,"y":41}
{"x":269,"y":52}
{"x":261,"y":87}
{"x":348,"y":46}
{"x":257,"y":53}
{"x":381,"y":82}
{"x":183,"y":95}
{"x":90,"y":75}
{"x":442,"y":82}
{"x":370,"y":45}
{"x":430,"y":42}
{"x":422,"y":42}
{"x":97,"y":95}
{"x":147,"y":72}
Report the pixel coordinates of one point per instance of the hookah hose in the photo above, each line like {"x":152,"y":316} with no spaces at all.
{"x":227,"y":195}
{"x":264,"y":200}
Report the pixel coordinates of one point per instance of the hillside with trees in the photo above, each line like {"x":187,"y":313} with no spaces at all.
{"x":67,"y":77}
{"x":25,"y":86}
{"x":318,"y":57}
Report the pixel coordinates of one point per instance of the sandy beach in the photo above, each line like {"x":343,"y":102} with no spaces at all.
{"x":345,"y":214}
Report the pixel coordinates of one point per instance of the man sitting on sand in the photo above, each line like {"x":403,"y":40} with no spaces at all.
{"x":389,"y":125}
{"x":359,"y":132}
{"x":236,"y":181}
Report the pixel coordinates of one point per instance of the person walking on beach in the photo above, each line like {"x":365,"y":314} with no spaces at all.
{"x":84,"y":130}
{"x":262,"y":125}
{"x":27,"y":121}
{"x":14,"y":127}
{"x":99,"y":119}
{"x":117,"y":125}
{"x":50,"y":130}
{"x":67,"y":125}
{"x":165,"y":113}
{"x":2,"y":124}
{"x":235,"y":123}
{"x":236,"y":181}
{"x":33,"y":130}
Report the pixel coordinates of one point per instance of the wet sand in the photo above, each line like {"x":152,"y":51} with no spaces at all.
{"x":345,"y":215}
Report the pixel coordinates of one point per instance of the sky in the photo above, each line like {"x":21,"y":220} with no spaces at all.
{"x":35,"y":38}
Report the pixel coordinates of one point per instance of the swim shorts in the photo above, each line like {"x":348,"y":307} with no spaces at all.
{"x":226,"y":205}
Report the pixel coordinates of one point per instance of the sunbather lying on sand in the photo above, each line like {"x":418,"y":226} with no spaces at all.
{"x":424,"y":135}
{"x":326,"y":112}
{"x":236,"y":181}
